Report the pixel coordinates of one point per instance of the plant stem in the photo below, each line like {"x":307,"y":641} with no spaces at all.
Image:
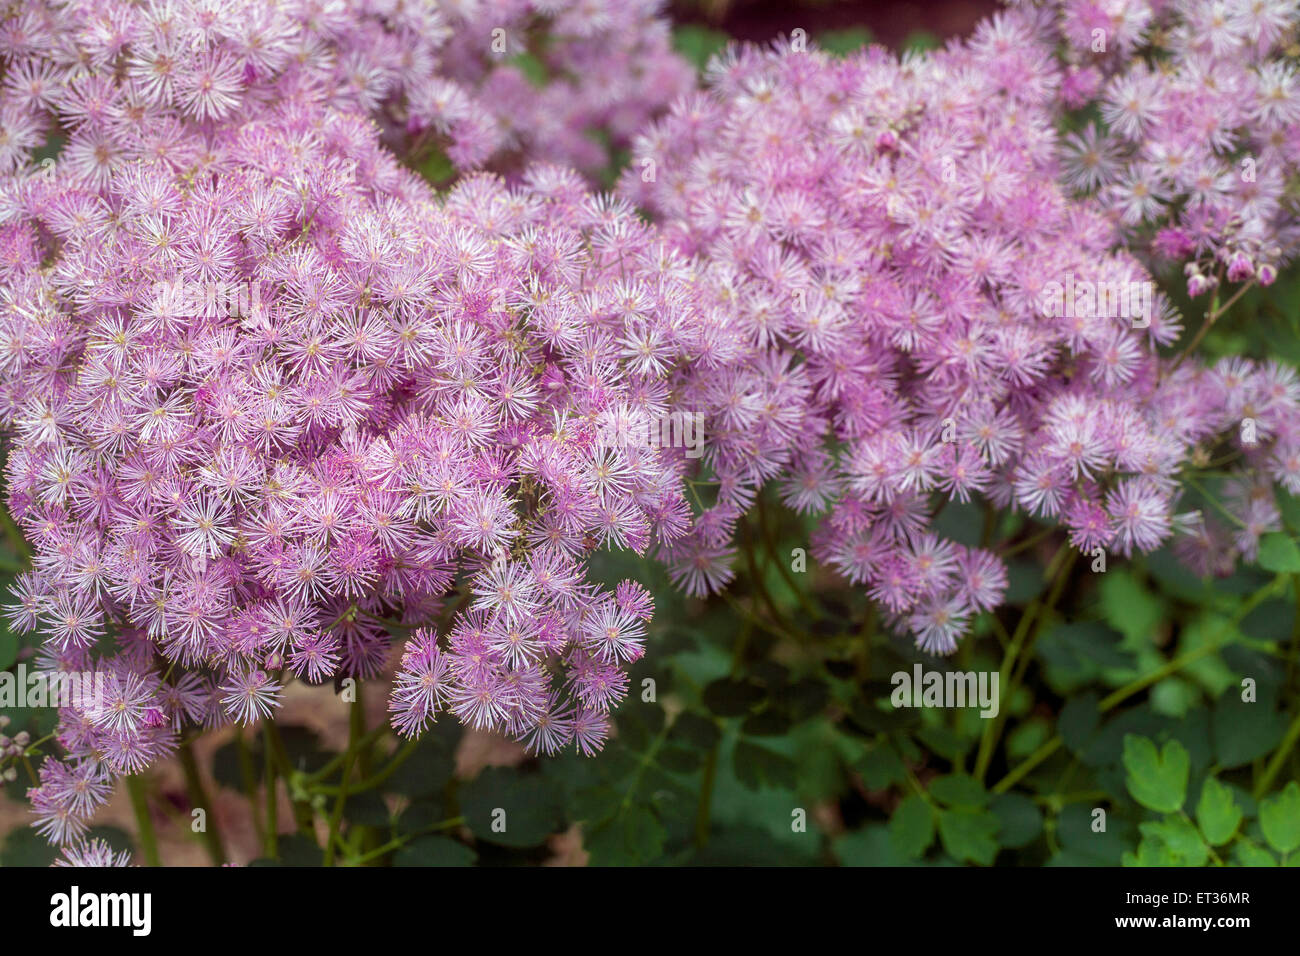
{"x":369,"y":783}
{"x":1210,"y":318}
{"x":302,"y":812}
{"x":1058,"y":573}
{"x":757,"y":576}
{"x":143,"y":822}
{"x":272,"y":798}
{"x":199,"y":798}
{"x":398,"y":842}
{"x":337,"y":760}
{"x":1279,"y":758}
{"x":769,"y":539}
{"x":248,"y":774}
{"x":1294,"y":654}
{"x":356,"y":731}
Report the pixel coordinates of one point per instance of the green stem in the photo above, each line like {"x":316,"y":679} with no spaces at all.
{"x":302,"y":812}
{"x":1028,"y":543}
{"x":143,"y":822}
{"x":398,"y":842}
{"x":199,"y":798}
{"x":753,"y":618}
{"x":1058,"y":573}
{"x":1279,"y":758}
{"x":400,"y":757}
{"x":248,"y":775}
{"x":356,"y":731}
{"x":1294,"y":654}
{"x":272,"y":796}
{"x":769,"y":539}
{"x":759,"y":583}
{"x":337,"y":760}
{"x":1211,"y":317}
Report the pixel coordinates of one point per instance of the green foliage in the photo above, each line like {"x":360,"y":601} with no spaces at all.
{"x":1217,"y":813}
{"x":845,"y":41}
{"x":1156,"y":779}
{"x":1279,"y":819}
{"x":698,"y":44}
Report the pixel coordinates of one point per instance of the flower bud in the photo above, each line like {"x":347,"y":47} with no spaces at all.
{"x":1240,"y":268}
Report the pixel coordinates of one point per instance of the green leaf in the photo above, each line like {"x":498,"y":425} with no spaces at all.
{"x":25,"y":847}
{"x":1180,"y":838}
{"x":959,"y":790}
{"x":969,"y":835}
{"x":1078,"y":725}
{"x":1169,"y":842}
{"x":510,"y":808}
{"x":628,"y":838}
{"x":1027,"y":738}
{"x":1209,"y":671}
{"x":1129,"y":607}
{"x":870,"y":846}
{"x":294,"y":850}
{"x":430,"y":767}
{"x":1150,"y":852}
{"x":911,"y":828}
{"x":732,"y":698}
{"x":766,"y":723}
{"x":1173,"y":697}
{"x":1020,"y":819}
{"x":694,"y":730}
{"x":881,"y":767}
{"x":1245,"y":730}
{"x":1279,"y":818}
{"x":1077,"y":652}
{"x":434,"y":851}
{"x":757,"y":766}
{"x":1217,"y":812}
{"x":1156,"y":779}
{"x":679,"y":759}
{"x":1248,"y":853}
{"x":1084,"y":845}
{"x":1278,"y":552}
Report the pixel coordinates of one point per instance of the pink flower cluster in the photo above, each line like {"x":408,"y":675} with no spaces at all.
{"x":1197,"y":128}
{"x":402,"y":395}
{"x":565,"y":82}
{"x":889,"y":241}
{"x":123,"y":79}
{"x":272,"y":399}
